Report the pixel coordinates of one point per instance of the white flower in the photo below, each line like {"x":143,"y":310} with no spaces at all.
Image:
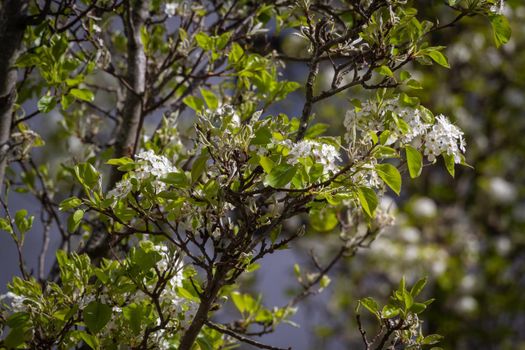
{"x":372,"y":117}
{"x":121,"y":190}
{"x":444,"y":137}
{"x":17,"y":301}
{"x":149,"y":165}
{"x":322,"y":153}
{"x":498,"y":7}
{"x":224,"y":116}
{"x":366,"y":176}
{"x":171,"y":9}
{"x":412,"y":116}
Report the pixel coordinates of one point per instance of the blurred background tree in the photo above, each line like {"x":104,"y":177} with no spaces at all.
{"x":467,"y":234}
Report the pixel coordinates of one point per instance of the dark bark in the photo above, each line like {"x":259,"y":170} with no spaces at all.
{"x":132,"y":110}
{"x":12,"y":27}
{"x":207,"y":300}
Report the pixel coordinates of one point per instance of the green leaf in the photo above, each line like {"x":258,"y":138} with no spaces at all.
{"x":414,"y":161}
{"x":390,"y":176}
{"x":96,"y":315}
{"x":450,"y":164}
{"x":324,"y":219}
{"x":316,"y":130}
{"x":5,"y":225}
{"x":223,"y":40}
{"x":120,"y":161}
{"x":418,"y":308}
{"x":194,"y":103}
{"x":204,"y":41}
{"x":204,"y":344}
{"x":86,"y":174}
{"x":280,"y":175}
{"x":414,"y":84}
{"x":66,"y":101}
{"x":408,"y":300}
{"x":90,"y":340}
{"x":238,"y":300}
{"x":46,"y":104}
{"x":438,"y":57}
{"x":409,"y":101}
{"x":370,"y":304}
{"x":16,"y":337}
{"x":74,"y":220}
{"x":418,"y":286}
{"x":432,"y":339}
{"x":263,"y":136}
{"x":500,"y":29}
{"x":209,"y":97}
{"x":325,"y":281}
{"x":390,"y":311}
{"x":368,"y":199}
{"x":18,"y":320}
{"x":267,"y":164}
{"x":22,"y":221}
{"x":83,"y":94}
{"x":177,"y":179}
{"x":236,"y":53}
{"x":404,"y":75}
{"x":134,"y":314}
{"x":385,"y":70}
{"x":199,"y":165}
{"x":385,"y":152}
{"x":69,"y":203}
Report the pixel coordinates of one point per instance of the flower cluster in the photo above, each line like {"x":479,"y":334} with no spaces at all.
{"x":16,"y":302}
{"x":444,"y":137}
{"x":322,"y":153}
{"x":149,"y":165}
{"x":365,"y":175}
{"x":406,"y":125}
{"x":171,"y":9}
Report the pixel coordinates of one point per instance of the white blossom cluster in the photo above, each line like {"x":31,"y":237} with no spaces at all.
{"x":407,"y":125}
{"x":170,"y":9}
{"x":15,"y":301}
{"x":224,"y":117}
{"x":444,"y":137}
{"x":374,"y":117}
{"x":366,"y":176}
{"x":149,"y":165}
{"x":322,"y":153}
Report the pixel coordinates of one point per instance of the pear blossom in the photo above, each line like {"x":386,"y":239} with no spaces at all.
{"x":171,"y":9}
{"x":444,"y":138}
{"x":16,"y":301}
{"x":149,"y":165}
{"x":375,"y":117}
{"x":322,"y":153}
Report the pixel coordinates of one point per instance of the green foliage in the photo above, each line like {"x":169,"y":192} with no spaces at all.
{"x":399,"y":322}
{"x":187,"y":208}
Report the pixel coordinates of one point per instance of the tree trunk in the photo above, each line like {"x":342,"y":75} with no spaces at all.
{"x":201,"y":316}
{"x":128,"y":133}
{"x":132,"y":111}
{"x":12,"y":27}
